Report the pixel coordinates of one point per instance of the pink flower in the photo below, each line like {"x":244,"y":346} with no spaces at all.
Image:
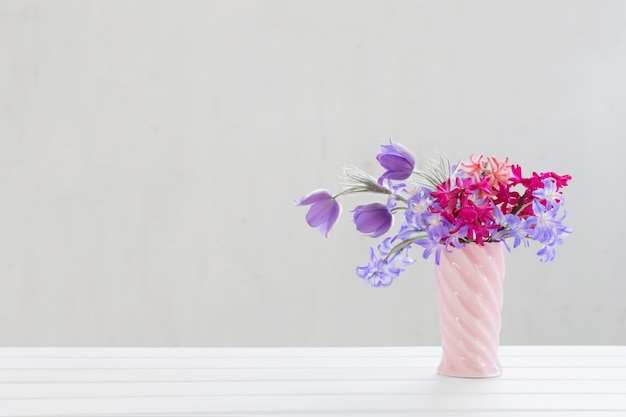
{"x":474,"y":168}
{"x":499,"y":172}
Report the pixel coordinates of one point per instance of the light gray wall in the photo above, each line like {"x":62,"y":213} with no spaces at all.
{"x":151,"y":151}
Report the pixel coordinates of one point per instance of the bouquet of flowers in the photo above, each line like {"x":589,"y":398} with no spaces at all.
{"x":446,"y":206}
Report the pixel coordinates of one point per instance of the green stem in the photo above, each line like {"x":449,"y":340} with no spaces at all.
{"x":520,"y":204}
{"x":364,"y":189}
{"x":398,"y":208}
{"x":397,"y":248}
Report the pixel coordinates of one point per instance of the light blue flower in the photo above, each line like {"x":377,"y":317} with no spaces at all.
{"x":543,"y":225}
{"x":547,"y":228}
{"x":430,"y":246}
{"x":379,"y":272}
{"x":417,"y":204}
{"x":436,"y":225}
{"x":383,"y":267}
{"x":549,"y":193}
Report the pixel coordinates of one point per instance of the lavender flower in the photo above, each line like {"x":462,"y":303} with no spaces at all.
{"x":509,"y":226}
{"x":544,"y":225}
{"x":516,"y":227}
{"x":417,"y":205}
{"x":430,"y":246}
{"x":324,"y":210}
{"x":436,"y":225}
{"x":547,"y":227}
{"x":383,"y":267}
{"x":549,"y":192}
{"x":374,"y":219}
{"x":397,"y":160}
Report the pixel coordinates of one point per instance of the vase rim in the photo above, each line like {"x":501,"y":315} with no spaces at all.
{"x":474,"y":243}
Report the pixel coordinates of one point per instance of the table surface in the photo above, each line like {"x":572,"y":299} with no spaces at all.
{"x":537,"y":381}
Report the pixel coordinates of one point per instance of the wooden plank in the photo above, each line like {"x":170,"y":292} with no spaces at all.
{"x":280,"y":352}
{"x":316,"y":403}
{"x":293,"y":374}
{"x":422,"y":351}
{"x":434,"y":351}
{"x":253,"y":388}
{"x":251,"y":362}
{"x":215,"y":363}
{"x":539,"y":380}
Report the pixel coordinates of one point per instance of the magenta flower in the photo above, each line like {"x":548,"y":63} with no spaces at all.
{"x":373,"y":219}
{"x":397,"y":160}
{"x":324,"y":210}
{"x":561,"y":180}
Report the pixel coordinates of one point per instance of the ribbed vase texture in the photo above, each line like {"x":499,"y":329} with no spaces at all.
{"x":469,"y":297}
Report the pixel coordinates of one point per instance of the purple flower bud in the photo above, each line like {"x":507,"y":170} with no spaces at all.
{"x":397,"y":160}
{"x":324,"y":210}
{"x":373,"y":218}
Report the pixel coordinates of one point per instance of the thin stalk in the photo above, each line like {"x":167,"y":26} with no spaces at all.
{"x":405,"y":243}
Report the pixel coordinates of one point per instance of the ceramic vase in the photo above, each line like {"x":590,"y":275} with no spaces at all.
{"x":469,"y":298}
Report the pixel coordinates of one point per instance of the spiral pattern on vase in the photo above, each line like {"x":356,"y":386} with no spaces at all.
{"x":469,"y":297}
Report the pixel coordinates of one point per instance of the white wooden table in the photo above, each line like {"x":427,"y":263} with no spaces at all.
{"x":538,"y":381}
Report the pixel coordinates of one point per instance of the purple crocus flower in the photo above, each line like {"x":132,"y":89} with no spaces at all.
{"x":397,"y":160}
{"x":324,"y":210}
{"x":373,"y":218}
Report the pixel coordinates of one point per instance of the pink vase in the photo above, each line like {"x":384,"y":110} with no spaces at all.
{"x":469,"y":298}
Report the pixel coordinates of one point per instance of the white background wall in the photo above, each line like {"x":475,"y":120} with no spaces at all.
{"x":151,"y":151}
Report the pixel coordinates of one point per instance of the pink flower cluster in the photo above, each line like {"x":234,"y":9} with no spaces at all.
{"x":481,"y":187}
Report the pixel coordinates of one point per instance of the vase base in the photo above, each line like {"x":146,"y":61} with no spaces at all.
{"x":491,"y":372}
{"x":482,"y":376}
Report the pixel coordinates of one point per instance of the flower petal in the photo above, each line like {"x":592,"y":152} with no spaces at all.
{"x":314,"y":197}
